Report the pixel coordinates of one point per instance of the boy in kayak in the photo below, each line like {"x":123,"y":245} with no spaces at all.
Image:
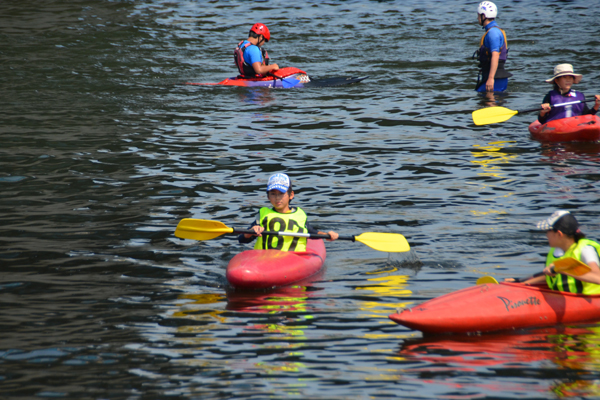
{"x":281,"y":217}
{"x":567,"y":240}
{"x":493,"y":51}
{"x":250,"y":59}
{"x":563,"y":79}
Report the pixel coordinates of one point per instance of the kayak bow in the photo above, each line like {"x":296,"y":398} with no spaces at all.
{"x":497,"y":307}
{"x":262,"y":269}
{"x":583,"y":128}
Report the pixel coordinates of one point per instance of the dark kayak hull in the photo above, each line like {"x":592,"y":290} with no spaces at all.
{"x":584,"y":128}
{"x":498,"y":307}
{"x":262,"y":269}
{"x":286,"y":78}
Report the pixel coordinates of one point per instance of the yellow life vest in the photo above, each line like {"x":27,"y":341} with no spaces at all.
{"x":271,"y":220}
{"x":566,"y":283}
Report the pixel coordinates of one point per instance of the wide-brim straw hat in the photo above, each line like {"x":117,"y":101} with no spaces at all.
{"x":565,"y":69}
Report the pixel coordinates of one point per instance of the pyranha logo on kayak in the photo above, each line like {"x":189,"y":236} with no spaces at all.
{"x":511,"y":305}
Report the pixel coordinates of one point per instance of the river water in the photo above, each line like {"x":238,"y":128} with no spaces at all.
{"x":103,"y":152}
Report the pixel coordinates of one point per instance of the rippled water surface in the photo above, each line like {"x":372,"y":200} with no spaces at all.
{"x":103,"y":152}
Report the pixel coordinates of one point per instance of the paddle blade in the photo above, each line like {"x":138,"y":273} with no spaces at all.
{"x":200,"y":229}
{"x":388,"y":242}
{"x":571,"y":266}
{"x":492,"y":115}
{"x":289,"y":82}
{"x":486,"y":279}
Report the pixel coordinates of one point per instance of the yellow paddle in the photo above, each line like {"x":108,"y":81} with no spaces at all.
{"x":569,"y":264}
{"x":486,"y":279}
{"x":493,"y":115}
{"x":201,"y":229}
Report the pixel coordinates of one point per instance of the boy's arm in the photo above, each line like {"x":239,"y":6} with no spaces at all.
{"x":333,"y":234}
{"x":247,"y":238}
{"x":261,"y":69}
{"x":593,"y":110}
{"x":256,"y":61}
{"x":495,"y":41}
{"x":489,"y":85}
{"x":311,"y":229}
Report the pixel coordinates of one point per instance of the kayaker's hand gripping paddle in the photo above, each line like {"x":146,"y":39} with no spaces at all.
{"x":201,"y":229}
{"x":570,"y":265}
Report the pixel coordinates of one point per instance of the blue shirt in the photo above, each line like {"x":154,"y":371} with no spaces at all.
{"x":252,"y":54}
{"x":494,"y":40}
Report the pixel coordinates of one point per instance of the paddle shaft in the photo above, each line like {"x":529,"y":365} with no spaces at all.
{"x":295,"y":234}
{"x":275,"y":76}
{"x":558,"y":105}
{"x":490,"y":279}
{"x":534,"y":275}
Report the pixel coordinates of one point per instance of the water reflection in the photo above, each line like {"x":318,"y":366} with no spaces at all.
{"x":393,"y":286}
{"x":256,"y":96}
{"x":490,"y":99}
{"x":557,"y":152}
{"x":200,"y":307}
{"x":291,"y":298}
{"x":491,"y":158}
{"x":575,"y":349}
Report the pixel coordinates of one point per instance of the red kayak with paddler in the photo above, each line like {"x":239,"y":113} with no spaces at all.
{"x":491,"y":306}
{"x":261,"y":269}
{"x":256,"y":69}
{"x":285,"y":78}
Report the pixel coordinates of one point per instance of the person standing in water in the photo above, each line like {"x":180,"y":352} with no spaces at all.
{"x":493,"y":51}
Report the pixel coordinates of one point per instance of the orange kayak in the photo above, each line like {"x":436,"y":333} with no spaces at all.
{"x":584,"y":128}
{"x":262,"y":269}
{"x":498,"y":307}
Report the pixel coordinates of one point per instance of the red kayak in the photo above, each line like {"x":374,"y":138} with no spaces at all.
{"x":584,"y":128}
{"x":498,"y":307}
{"x":285,"y":78}
{"x":262,"y":269}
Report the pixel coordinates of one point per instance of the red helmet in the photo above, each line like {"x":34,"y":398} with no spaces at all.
{"x":261,"y":29}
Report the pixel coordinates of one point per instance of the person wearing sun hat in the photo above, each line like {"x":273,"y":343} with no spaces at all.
{"x":564,"y":77}
{"x":281,"y":218}
{"x":567,"y":240}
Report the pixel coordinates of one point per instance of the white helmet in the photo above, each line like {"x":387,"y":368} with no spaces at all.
{"x":488,"y":9}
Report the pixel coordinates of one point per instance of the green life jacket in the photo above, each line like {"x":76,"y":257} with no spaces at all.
{"x":271,"y":220}
{"x":566,"y":283}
